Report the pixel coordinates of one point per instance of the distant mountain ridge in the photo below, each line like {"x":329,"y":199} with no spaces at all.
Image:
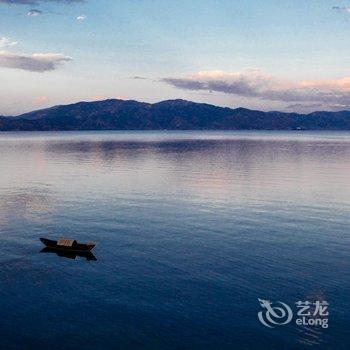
{"x":178,"y":114}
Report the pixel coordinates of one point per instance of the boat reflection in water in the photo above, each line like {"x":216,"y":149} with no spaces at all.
{"x":70,"y":255}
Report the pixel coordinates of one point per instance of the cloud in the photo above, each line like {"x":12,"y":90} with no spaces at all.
{"x":37,"y":2}
{"x":40,"y":100}
{"x":34,"y":13}
{"x":81,"y":18}
{"x":38,"y":62}
{"x":6,"y":42}
{"x":342,"y":9}
{"x":255,"y":84}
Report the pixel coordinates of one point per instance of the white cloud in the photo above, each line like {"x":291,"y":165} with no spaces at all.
{"x":34,"y":13}
{"x":81,"y":18}
{"x":38,"y":62}
{"x":343,"y":9}
{"x":7,"y":42}
{"x":258,"y":85}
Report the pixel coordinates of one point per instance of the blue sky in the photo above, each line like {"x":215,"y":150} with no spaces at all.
{"x":285,"y":55}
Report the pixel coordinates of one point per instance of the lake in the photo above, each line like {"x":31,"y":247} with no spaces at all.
{"x":192,"y":228}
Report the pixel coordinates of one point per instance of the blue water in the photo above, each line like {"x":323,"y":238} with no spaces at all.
{"x":191,"y":229}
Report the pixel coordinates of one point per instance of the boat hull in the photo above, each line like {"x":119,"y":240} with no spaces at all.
{"x":77,"y":247}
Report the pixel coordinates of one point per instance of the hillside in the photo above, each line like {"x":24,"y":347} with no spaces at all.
{"x":171,"y":114}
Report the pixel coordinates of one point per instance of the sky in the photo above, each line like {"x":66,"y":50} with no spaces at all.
{"x":290,"y":56}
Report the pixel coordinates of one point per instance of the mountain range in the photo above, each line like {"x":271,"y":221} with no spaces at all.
{"x":116,"y":114}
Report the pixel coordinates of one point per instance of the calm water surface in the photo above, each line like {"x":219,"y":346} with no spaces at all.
{"x":191,"y":229}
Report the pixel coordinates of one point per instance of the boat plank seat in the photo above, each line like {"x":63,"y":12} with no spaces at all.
{"x":66,"y":242}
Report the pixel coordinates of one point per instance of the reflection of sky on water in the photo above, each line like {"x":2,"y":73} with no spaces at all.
{"x":29,"y":203}
{"x":221,"y":167}
{"x":191,"y":228}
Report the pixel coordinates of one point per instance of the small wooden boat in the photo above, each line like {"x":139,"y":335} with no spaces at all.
{"x":70,"y":245}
